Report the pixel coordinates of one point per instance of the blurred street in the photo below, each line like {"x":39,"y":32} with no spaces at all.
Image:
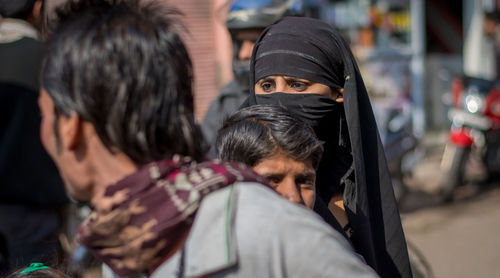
{"x":457,"y":239}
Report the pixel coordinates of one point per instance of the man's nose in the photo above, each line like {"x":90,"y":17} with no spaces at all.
{"x":290,"y":192}
{"x":245,"y":52}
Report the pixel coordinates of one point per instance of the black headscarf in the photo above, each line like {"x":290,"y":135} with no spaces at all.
{"x":311,"y":49}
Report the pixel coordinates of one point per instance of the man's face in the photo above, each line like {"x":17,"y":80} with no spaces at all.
{"x":243,"y":42}
{"x":489,"y":26}
{"x":247,"y":39}
{"x":66,"y":161}
{"x":294,"y":180}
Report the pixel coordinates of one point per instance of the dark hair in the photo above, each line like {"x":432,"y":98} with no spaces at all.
{"x":255,"y":133}
{"x":123,"y":67}
{"x":16,"y":8}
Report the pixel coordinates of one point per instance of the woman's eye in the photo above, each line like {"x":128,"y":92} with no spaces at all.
{"x":298,"y":86}
{"x":267,"y":86}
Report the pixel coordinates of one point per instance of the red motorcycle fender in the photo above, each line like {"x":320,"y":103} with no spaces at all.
{"x":461,"y":137}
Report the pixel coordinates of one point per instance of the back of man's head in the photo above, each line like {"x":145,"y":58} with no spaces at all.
{"x":16,"y":8}
{"x":122,"y":66}
{"x":253,"y":134}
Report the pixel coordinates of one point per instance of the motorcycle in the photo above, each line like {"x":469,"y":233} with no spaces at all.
{"x":400,"y":143}
{"x":474,"y":132}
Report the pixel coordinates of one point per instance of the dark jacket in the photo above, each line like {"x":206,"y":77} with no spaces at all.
{"x":27,"y":174}
{"x":228,"y":101}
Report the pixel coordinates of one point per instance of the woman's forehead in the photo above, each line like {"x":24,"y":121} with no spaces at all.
{"x":286,"y":77}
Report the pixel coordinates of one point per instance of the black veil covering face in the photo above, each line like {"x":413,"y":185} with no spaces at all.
{"x":311,"y":49}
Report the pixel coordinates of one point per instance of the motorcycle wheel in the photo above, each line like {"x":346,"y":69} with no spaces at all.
{"x":456,"y":172}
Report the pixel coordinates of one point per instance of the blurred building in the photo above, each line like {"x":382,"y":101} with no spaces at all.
{"x":207,"y":41}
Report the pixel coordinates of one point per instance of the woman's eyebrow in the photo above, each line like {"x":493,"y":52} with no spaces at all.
{"x":266,"y":79}
{"x":290,"y":78}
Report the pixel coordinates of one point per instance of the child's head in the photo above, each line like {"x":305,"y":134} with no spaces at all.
{"x":37,"y":270}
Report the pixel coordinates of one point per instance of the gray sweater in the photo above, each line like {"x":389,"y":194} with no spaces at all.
{"x":248,"y":230}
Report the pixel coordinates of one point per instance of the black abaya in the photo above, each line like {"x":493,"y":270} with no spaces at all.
{"x":311,"y":49}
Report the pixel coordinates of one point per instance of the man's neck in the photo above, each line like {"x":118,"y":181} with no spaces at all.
{"x":108,"y":167}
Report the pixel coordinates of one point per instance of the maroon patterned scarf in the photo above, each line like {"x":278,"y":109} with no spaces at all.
{"x":140,"y":221}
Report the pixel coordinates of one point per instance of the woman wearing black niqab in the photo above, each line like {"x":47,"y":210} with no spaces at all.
{"x":296,"y":53}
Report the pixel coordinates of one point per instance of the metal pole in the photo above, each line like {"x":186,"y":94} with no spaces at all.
{"x":417,"y":66}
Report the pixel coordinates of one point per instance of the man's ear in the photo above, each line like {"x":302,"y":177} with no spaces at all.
{"x":70,"y":130}
{"x":36,"y":13}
